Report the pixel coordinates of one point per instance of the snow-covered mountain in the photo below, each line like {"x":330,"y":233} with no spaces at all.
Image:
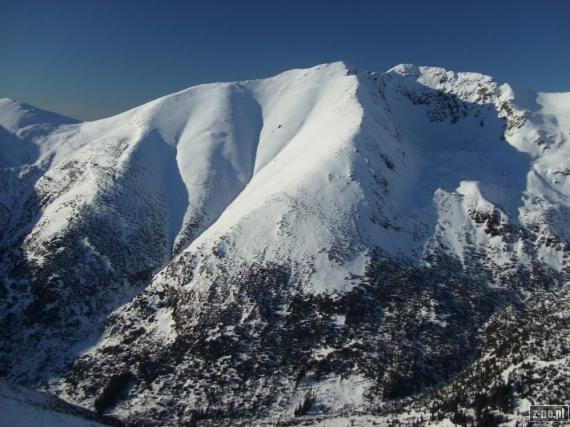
{"x":316,"y":244}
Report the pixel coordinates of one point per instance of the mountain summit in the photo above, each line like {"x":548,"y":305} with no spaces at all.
{"x":294,"y":249}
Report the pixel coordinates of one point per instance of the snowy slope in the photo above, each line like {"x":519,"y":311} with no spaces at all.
{"x":21,"y":128}
{"x":153,"y":179}
{"x":21,"y":407}
{"x":312,"y":224}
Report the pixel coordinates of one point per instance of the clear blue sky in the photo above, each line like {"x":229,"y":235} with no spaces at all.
{"x":94,"y":58}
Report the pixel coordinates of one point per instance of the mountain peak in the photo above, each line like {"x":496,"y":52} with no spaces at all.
{"x":15,"y":115}
{"x":408,"y":70}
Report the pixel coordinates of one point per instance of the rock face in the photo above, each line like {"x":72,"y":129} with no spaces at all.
{"x":316,"y":244}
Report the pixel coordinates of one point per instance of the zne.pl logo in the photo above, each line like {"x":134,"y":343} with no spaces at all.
{"x":549,"y":413}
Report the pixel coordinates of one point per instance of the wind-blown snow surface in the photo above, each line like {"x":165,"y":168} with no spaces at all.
{"x":264,"y":248}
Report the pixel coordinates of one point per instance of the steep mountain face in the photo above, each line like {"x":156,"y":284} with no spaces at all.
{"x":318,"y":243}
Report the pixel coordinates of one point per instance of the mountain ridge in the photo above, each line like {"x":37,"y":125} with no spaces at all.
{"x":284,"y":218}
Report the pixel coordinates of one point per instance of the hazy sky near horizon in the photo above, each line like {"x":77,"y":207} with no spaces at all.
{"x":94,"y":58}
